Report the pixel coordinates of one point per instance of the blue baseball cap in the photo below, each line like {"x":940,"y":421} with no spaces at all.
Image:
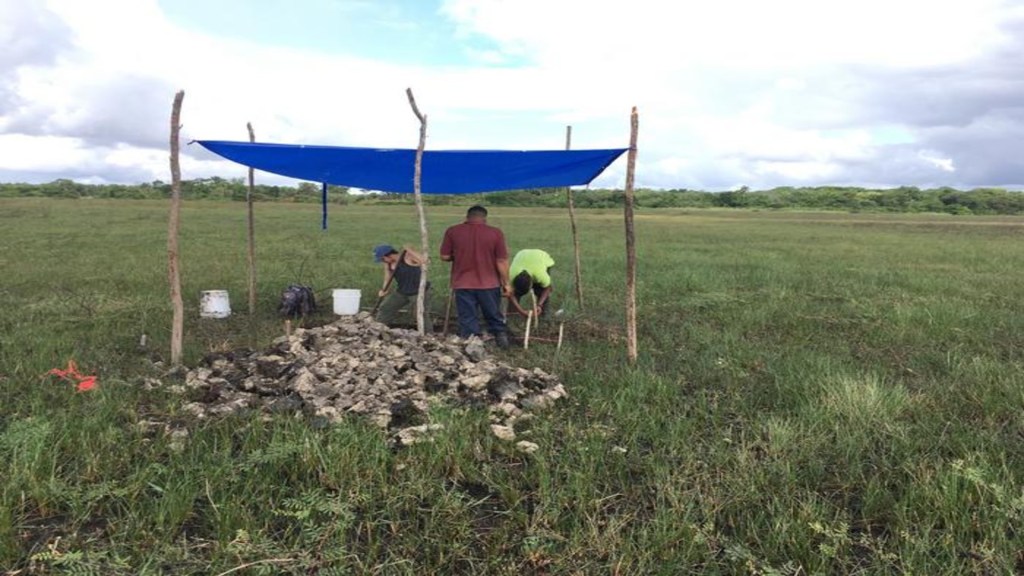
{"x":382,"y":250}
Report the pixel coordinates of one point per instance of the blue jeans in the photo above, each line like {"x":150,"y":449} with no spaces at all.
{"x":467,"y":303}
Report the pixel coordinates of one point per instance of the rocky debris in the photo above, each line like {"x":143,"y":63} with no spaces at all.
{"x":359,"y":366}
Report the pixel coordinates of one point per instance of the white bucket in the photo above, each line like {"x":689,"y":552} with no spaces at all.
{"x":346,"y":301}
{"x":214,"y":304}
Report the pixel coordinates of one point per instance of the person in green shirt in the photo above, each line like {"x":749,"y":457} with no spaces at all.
{"x":531,"y":270}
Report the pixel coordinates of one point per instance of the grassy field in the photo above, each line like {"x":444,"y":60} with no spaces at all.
{"x":817,"y":393}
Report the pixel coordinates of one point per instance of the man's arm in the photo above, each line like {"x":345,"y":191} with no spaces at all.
{"x":515,"y":303}
{"x":506,"y":285}
{"x":501,"y":259}
{"x":544,"y":296}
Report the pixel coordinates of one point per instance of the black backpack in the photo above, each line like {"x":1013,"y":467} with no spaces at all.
{"x":297,"y":300}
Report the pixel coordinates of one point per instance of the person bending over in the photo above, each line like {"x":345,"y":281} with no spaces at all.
{"x":401,"y":283}
{"x":531,"y":270}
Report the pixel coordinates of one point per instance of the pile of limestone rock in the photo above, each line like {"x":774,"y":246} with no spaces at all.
{"x":357,"y":366}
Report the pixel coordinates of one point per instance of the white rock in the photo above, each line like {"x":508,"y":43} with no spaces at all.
{"x":179,"y":438}
{"x":508,"y":409}
{"x":329,"y":412}
{"x":526,"y":447}
{"x":304,"y":382}
{"x":478,"y":382}
{"x":503,"y":432}
{"x":415,"y":434}
{"x":381,"y":419}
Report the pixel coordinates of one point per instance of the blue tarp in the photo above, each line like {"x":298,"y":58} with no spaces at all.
{"x":444,"y":171}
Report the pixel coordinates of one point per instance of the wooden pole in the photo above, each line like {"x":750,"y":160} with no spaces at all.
{"x":173,"y":264}
{"x":425,"y":245}
{"x":533,"y":301}
{"x":577,"y":273}
{"x":526,"y":338}
{"x":448,"y":311}
{"x":561,"y":332}
{"x":631,"y":348}
{"x":251,"y":231}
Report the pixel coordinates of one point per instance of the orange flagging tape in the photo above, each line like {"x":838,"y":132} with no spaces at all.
{"x":71,"y":374}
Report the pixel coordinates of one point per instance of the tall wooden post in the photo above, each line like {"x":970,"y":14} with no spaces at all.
{"x":577,"y":273}
{"x":631,"y":348}
{"x":424,"y":244}
{"x":173,"y":265}
{"x":251,"y":231}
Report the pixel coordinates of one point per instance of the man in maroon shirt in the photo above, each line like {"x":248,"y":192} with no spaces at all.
{"x":479,"y":260}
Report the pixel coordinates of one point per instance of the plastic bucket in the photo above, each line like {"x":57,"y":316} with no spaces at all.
{"x":346,"y":301}
{"x":214,"y":304}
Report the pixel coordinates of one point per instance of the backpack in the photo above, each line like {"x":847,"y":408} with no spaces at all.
{"x":297,"y":300}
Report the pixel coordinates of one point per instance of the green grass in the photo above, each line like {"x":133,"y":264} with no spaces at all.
{"x":816,"y":394}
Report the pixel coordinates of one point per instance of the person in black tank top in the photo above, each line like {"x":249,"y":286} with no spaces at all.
{"x":401,"y":285}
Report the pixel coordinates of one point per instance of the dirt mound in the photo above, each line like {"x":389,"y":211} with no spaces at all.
{"x":359,"y":366}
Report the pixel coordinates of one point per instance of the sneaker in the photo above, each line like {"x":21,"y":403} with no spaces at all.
{"x":501,"y":339}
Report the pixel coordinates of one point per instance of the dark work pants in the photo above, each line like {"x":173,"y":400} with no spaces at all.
{"x":390,"y":309}
{"x":467,"y":304}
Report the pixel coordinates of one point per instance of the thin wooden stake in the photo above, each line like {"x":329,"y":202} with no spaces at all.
{"x":425,"y":245}
{"x":287,"y":327}
{"x":534,"y":339}
{"x":533,"y":300}
{"x":577,"y":272}
{"x":561,"y":332}
{"x":631,"y":345}
{"x":448,"y":311}
{"x":526,"y":337}
{"x":251,"y":231}
{"x":173,"y":263}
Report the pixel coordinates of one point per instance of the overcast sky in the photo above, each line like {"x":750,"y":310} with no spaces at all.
{"x":730,"y":92}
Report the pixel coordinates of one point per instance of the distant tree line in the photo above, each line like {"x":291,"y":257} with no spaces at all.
{"x":840,"y":198}
{"x":214,"y":188}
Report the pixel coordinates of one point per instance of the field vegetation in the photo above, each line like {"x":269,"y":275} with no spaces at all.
{"x":985,"y":201}
{"x":817,"y":393}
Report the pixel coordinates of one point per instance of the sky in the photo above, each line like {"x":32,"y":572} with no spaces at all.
{"x":730,"y":93}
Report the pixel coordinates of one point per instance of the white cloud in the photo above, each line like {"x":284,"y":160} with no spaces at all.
{"x":780,"y":34}
{"x":38,"y":153}
{"x":932,"y":158}
{"x":730,"y":92}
